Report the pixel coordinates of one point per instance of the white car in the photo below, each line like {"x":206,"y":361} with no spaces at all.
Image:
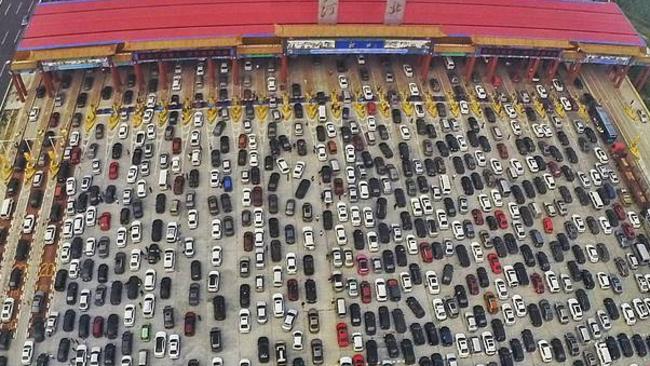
{"x":350,"y":155}
{"x":439,"y":309}
{"x":433,"y":286}
{"x":519,"y":305}
{"x":367,"y":93}
{"x":545,"y":352}
{"x":298,"y":170}
{"x":634,"y":219}
{"x":28,"y":224}
{"x":160,"y":344}
{"x":216,"y":229}
{"x":174,"y":346}
{"x":150,"y":280}
{"x":188,"y":247}
{"x":50,"y":234}
{"x":405,"y":279}
{"x":193,"y":219}
{"x":408,"y":70}
{"x":149,"y":306}
{"x":271,"y":84}
{"x":343,"y":82}
{"x":7,"y":310}
{"x":541,"y":91}
{"x":213,"y":281}
{"x":123,"y":131}
{"x":496,"y":166}
{"x":291,"y":263}
{"x":216,"y":258}
{"x":121,"y":237}
{"x":214,"y":179}
{"x":462,"y":345}
{"x":341,"y":237}
{"x":27,"y":353}
{"x":601,"y":155}
{"x":404,"y":132}
{"x":169,"y":259}
{"x":129,"y":315}
{"x":342,"y":212}
{"x":289,"y":319}
{"x":283,"y":166}
{"x":380,"y":289}
{"x":481,"y":94}
{"x":136,"y":231}
{"x":134,"y":260}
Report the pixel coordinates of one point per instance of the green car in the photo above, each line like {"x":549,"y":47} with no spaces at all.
{"x":145,"y":332}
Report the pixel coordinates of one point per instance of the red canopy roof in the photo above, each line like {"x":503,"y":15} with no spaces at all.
{"x":96,"y":22}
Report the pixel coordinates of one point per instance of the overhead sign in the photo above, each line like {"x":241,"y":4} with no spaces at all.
{"x":607,"y":60}
{"x":83,"y":63}
{"x":509,"y":52}
{"x":328,"y":11}
{"x":182,"y":55}
{"x":394,"y":13}
{"x":357,"y":46}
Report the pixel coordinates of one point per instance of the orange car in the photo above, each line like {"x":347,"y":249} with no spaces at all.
{"x":491,"y":302}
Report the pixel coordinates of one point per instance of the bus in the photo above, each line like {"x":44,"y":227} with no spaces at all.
{"x":603,"y":123}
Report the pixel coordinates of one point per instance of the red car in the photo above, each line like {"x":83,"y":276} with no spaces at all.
{"x":98,"y":326}
{"x":190,"y":324}
{"x":495,"y":265}
{"x":503,"y":150}
{"x":554,"y":168}
{"x":619,"y":211}
{"x":548,"y":225}
{"x":628,"y":231}
{"x":243,"y":141}
{"x":502,"y":221}
{"x":339,"y":189}
{"x":75,"y":155}
{"x":292,"y":289}
{"x":358,"y":360}
{"x":478,"y":216}
{"x":366,"y":292}
{"x":176,"y":145}
{"x":426,"y":252}
{"x":342,"y":335}
{"x":371,"y":107}
{"x":362,"y":265}
{"x":105,"y":221}
{"x":113,"y":170}
{"x":537,"y":282}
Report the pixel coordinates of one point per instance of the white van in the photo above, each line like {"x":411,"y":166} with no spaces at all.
{"x":277,"y":276}
{"x":445,"y":185}
{"x":596,"y":201}
{"x":642,"y":253}
{"x":143,"y":357}
{"x":602,"y":352}
{"x":162,"y":179}
{"x":322,"y":114}
{"x":7,"y":208}
{"x":341,"y":309}
{"x":449,"y":63}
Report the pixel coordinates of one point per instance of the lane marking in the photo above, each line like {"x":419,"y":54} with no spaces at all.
{"x":4,"y":38}
{"x":17,"y":36}
{"x":3,"y":67}
{"x":7,"y":10}
{"x":20,"y":5}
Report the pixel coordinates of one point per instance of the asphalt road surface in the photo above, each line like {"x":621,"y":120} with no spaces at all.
{"x":11,"y":13}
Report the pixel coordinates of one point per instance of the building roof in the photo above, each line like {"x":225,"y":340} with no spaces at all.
{"x":64,"y":24}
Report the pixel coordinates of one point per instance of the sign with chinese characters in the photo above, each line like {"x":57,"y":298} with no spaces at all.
{"x":509,"y":52}
{"x":394,"y":13}
{"x":606,"y":60}
{"x":82,"y":63}
{"x":328,"y":11}
{"x":357,"y":46}
{"x":182,"y":55}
